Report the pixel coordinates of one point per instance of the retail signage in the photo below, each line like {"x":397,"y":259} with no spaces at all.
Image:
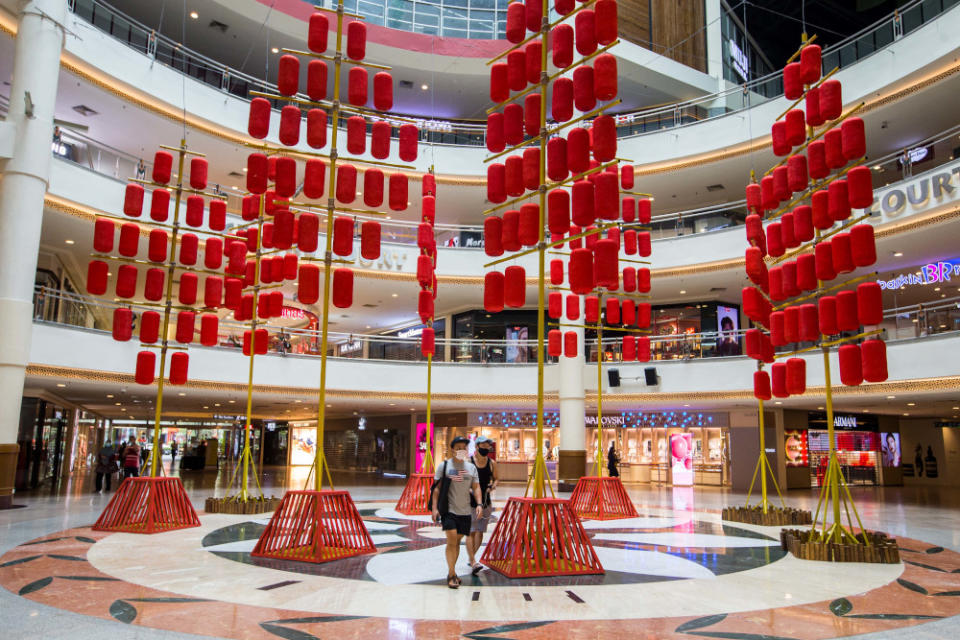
{"x":739,"y":60}
{"x":843,"y":421}
{"x":422,"y":433}
{"x":351,"y":347}
{"x":681,"y":459}
{"x":946,"y":424}
{"x":293,"y":313}
{"x":931,"y":273}
{"x":796,"y":447}
{"x":608,"y":421}
{"x":388,"y":261}
{"x":921,"y":193}
{"x":471,"y":239}
{"x":413,"y":332}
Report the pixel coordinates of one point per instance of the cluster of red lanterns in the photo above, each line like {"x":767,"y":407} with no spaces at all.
{"x":801,"y":200}
{"x":591,"y":204}
{"x":427,"y":264}
{"x":166,"y":259}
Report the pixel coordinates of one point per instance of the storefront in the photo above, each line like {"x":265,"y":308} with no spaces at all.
{"x":406,"y":348}
{"x":642,"y":442}
{"x":859,"y":445}
{"x":497,"y":337}
{"x":363,"y":444}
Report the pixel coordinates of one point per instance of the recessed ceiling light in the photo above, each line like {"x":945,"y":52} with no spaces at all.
{"x":368,"y":326}
{"x":898,"y":254}
{"x":231,"y":401}
{"x":820,"y":408}
{"x":877,"y":167}
{"x":682,"y":291}
{"x":906,"y":414}
{"x":956,"y":408}
{"x":424,"y":87}
{"x":275,"y":50}
{"x":393,"y":404}
{"x":181,"y":394}
{"x":60,"y":384}
{"x":911,"y":404}
{"x":123,"y":408}
{"x":109,"y":395}
{"x":116,"y":404}
{"x":936,"y":288}
{"x":69,"y":241}
{"x":393,"y":295}
{"x":194,"y":15}
{"x":216,"y":404}
{"x":891,"y":397}
{"x":205,"y":407}
{"x":777,"y":402}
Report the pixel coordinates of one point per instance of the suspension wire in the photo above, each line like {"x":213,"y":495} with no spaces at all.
{"x":253,"y":41}
{"x":747,"y":92}
{"x":183,"y":76}
{"x":803,"y":21}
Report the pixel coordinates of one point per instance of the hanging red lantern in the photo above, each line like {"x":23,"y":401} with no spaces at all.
{"x":514,"y":176}
{"x":555,"y":304}
{"x":628,"y":349}
{"x":356,"y":135}
{"x":853,"y":138}
{"x":499,"y":82}
{"x":162,"y":167}
{"x":511,"y":231}
{"x":833,"y":149}
{"x":797,"y":178}
{"x":778,"y":380}
{"x":258,"y":124}
{"x":777,"y":324}
{"x":827,"y":315}
{"x":122,"y":324}
{"x":806,"y":272}
{"x":791,"y":324}
{"x":370,"y":240}
{"x":133,"y":200}
{"x":873,"y":358}
{"x":613,"y":311}
{"x":796,"y":127}
{"x":628,"y":312}
{"x":399,"y":192}
{"x":533,"y":12}
{"x":831,"y":101}
{"x":761,"y":385}
{"x":318,"y":31}
{"x":643,"y":280}
{"x":605,"y":75}
{"x":209,"y":329}
{"x":606,"y":21}
{"x":793,"y":81}
{"x":820,"y":210}
{"x":578,"y":150}
{"x":289,"y":133}
{"x":157,"y":246}
{"x":570,"y":344}
{"x":213,"y":292}
{"x":817,"y":160}
{"x":428,"y":342}
{"x":556,"y":272}
{"x":573,"y":307}
{"x":493,"y":292}
{"x":774,"y":240}
{"x":604,"y":138}
{"x":407,"y":138}
{"x":515,"y":286}
{"x":562,"y":39}
{"x":796,"y":382}
{"x":356,"y":40}
{"x":584,"y":88}
{"x":382,"y":91}
{"x":346,"y":183}
{"x":781,"y":184}
{"x":495,"y":140}
{"x":562,"y":101}
{"x":517,"y":70}
{"x":586,"y":31}
{"x":841,"y":253}
{"x":187,"y":291}
{"x":530,"y":168}
{"x":492,"y":236}
{"x":583,"y":203}
{"x":851,"y":368}
{"x":308,"y":228}
{"x":629,"y":279}
{"x":778,"y":135}
{"x":752,"y":305}
{"x":528,"y":228}
{"x":752,"y":343}
{"x":217,"y":215}
{"x":786,"y":231}
{"x":159,"y":205}
{"x":185,"y":326}
{"x":357,"y":80}
{"x":153,"y":286}
{"x":558,"y":211}
{"x":809,"y":323}
{"x":516,"y":22}
{"x":810,"y":63}
{"x":803,"y":223}
{"x":591,"y":309}
{"x":755,"y":266}
{"x":581,"y":271}
{"x":628,"y":210}
{"x":643,"y":315}
{"x":607,"y":196}
{"x":194,"y":216}
{"x":308,"y":284}
{"x":869,"y":304}
{"x":103,"y":232}
{"x":146,"y":364}
{"x":317,"y":128}
{"x":863,"y":248}
{"x":860,"y":187}
{"x":342,"y":288}
{"x":288,"y":75}
{"x":232,"y":290}
{"x":533,"y":53}
{"x":316,"y":83}
{"x":343,"y":235}
{"x":838,"y":203}
{"x":557,"y":161}
{"x":847,"y":311}
{"x":767,"y":196}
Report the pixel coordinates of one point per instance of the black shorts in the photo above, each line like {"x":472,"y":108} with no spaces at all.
{"x":450,"y":521}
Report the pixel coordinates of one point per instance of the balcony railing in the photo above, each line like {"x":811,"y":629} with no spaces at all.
{"x":458,"y":17}
{"x":61,"y":308}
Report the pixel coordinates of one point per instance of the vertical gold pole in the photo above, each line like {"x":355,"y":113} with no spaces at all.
{"x":599,"y":399}
{"x":245,"y":456}
{"x":328,"y":254}
{"x":427,"y":465}
{"x":833,"y":466}
{"x":763,"y":459}
{"x":171,"y":270}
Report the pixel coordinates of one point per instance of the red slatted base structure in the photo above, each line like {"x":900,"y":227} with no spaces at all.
{"x":416,"y":495}
{"x":601,"y":499}
{"x":315,"y":526}
{"x":538,"y":537}
{"x":148,"y":505}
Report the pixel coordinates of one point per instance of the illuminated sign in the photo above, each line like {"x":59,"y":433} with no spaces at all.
{"x":293,"y":312}
{"x":607,"y":420}
{"x":928,"y":274}
{"x":918,"y":154}
{"x":351,"y":347}
{"x":920,"y":193}
{"x":739,"y":60}
{"x":410,"y":333}
{"x":850,"y":422}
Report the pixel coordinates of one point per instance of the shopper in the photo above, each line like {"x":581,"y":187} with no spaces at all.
{"x":106,"y":465}
{"x":612,"y":461}
{"x":456,"y":481}
{"x":173,"y":456}
{"x":131,"y":459}
{"x":487,"y":474}
{"x":141,"y":170}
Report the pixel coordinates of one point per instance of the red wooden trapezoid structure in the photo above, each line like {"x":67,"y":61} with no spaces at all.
{"x":315,"y":526}
{"x":599,"y":498}
{"x":414,"y":501}
{"x":148,"y":505}
{"x":538,"y":537}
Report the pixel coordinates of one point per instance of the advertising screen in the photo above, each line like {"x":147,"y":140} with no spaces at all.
{"x":728,"y":323}
{"x":681,"y":459}
{"x":796,"y":448}
{"x":303,"y":445}
{"x":422,"y":444}
{"x":890,"y":446}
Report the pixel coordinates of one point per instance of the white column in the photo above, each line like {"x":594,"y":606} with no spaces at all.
{"x":714,"y":35}
{"x":572,"y":463}
{"x":36,"y":71}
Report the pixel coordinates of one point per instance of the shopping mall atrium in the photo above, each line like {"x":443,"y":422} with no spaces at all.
{"x":609,"y":318}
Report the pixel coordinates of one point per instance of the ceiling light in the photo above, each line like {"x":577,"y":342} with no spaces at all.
{"x":181,"y":394}
{"x":393,"y":295}
{"x":244,"y":169}
{"x":777,"y":402}
{"x":216,"y":404}
{"x":368,"y":326}
{"x":906,"y":414}
{"x":109,"y":395}
{"x":911,"y":404}
{"x":898,"y":254}
{"x":205,"y":407}
{"x":877,"y":167}
{"x":956,"y":408}
{"x":424,"y":87}
{"x":682,"y":291}
{"x":194,"y":15}
{"x":60,"y":384}
{"x":124,"y":409}
{"x":393,"y":404}
{"x":69,"y":241}
{"x":891,"y":397}
{"x":274,"y":50}
{"x":116,"y":404}
{"x":936,"y":288}
{"x":231,"y":401}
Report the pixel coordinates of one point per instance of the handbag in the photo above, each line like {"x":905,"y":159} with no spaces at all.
{"x":443,"y":499}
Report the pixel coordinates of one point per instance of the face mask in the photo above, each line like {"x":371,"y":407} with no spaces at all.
{"x":484,"y":452}
{"x":461,"y":455}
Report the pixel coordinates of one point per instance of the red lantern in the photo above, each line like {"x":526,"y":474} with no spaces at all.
{"x":356,"y":40}
{"x":643,"y":315}
{"x":492,"y":235}
{"x":316,"y":82}
{"x":212,"y":292}
{"x":841,"y":253}
{"x":511,"y":230}
{"x":809,"y":323}
{"x":781,"y":184}
{"x":873,"y":358}
{"x":851,"y":367}
{"x":863,"y":248}
{"x":853,"y":138}
{"x":357,"y":86}
{"x":778,"y":378}
{"x":755,"y":267}
{"x":581,"y":271}
{"x":860,"y":187}
{"x":153,"y":284}
{"x":103,"y":231}
{"x":556,"y":272}
{"x":777,"y":328}
{"x":122,"y":324}
{"x":258,"y":124}
{"x":797,"y":178}
{"x":194,"y":216}
{"x":187,"y":292}
{"x":209,"y":329}
{"x":530,"y":169}
{"x":583,"y":203}
{"x":606,"y":21}
{"x":317,"y":33}
{"x":803,"y":223}
{"x":382,"y":91}
{"x":343,"y":235}
{"x":806,"y":272}
{"x":317,"y":128}
{"x":133,"y":200}
{"x":796,"y":127}
{"x":827,"y":315}
{"x":162,"y":167}
{"x":308,"y":284}
{"x":786,"y":231}
{"x":556,"y":161}
{"x":793,"y":81}
{"x":528,"y":232}
{"x":185,"y":324}
{"x":604,"y":138}
{"x":562,"y":101}
{"x":613,"y":311}
{"x":515,"y":286}
{"x":288,"y":75}
{"x":562,"y":38}
{"x":157,"y":245}
{"x":796,"y":376}
{"x":346,"y":183}
{"x":831,"y":101}
{"x":817,"y":160}
{"x":428,"y":342}
{"x":533,"y":53}
{"x":591,"y":309}
{"x":516,"y":22}
{"x":308,"y":227}
{"x":847,"y":311}
{"x":496,"y":183}
{"x":584,"y":88}
{"x":499,"y":82}
{"x":869,"y":304}
{"x":370,"y":240}
{"x":573,"y":307}
{"x":356,"y":135}
{"x":493,"y":292}
{"x":586,"y":30}
{"x":761,"y":385}
{"x":774,"y":240}
{"x":605,"y":75}
{"x":570,"y":344}
{"x":373,"y":187}
{"x":407,"y":142}
{"x":629,"y":279}
{"x":791,"y":324}
{"x":607,"y":196}
{"x":778,"y":135}
{"x":146,"y":363}
{"x":643,"y":280}
{"x":838,"y":203}
{"x":833,"y":149}
{"x":810,"y":63}
{"x":342,"y":288}
{"x":149,"y":327}
{"x":578,"y":150}
{"x":289,"y":133}
{"x":399,"y":192}
{"x":159,"y":205}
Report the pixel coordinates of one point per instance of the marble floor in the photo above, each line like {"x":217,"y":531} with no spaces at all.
{"x":676,"y":571}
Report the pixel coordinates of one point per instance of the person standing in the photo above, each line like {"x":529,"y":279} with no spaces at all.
{"x":487,"y":474}
{"x":131,"y":459}
{"x":141,"y":170}
{"x":106,"y":465}
{"x":456,"y":481}
{"x":173,"y":455}
{"x":612,"y":461}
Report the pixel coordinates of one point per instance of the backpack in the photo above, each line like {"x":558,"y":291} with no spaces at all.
{"x":443,"y":499}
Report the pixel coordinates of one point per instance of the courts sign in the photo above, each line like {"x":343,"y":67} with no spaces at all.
{"x":921,"y":193}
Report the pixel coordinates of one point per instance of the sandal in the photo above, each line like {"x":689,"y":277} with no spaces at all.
{"x":477,"y":568}
{"x":453,"y":582}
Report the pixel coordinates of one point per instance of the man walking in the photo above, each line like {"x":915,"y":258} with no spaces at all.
{"x":457,"y":481}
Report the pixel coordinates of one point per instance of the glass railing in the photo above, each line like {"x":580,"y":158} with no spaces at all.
{"x":851,"y":50}
{"x":475,"y":19}
{"x":61,"y":308}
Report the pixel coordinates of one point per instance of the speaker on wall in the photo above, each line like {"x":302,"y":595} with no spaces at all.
{"x":613,"y":376}
{"x":650,"y":373}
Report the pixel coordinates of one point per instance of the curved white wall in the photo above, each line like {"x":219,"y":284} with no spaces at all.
{"x":58,"y":346}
